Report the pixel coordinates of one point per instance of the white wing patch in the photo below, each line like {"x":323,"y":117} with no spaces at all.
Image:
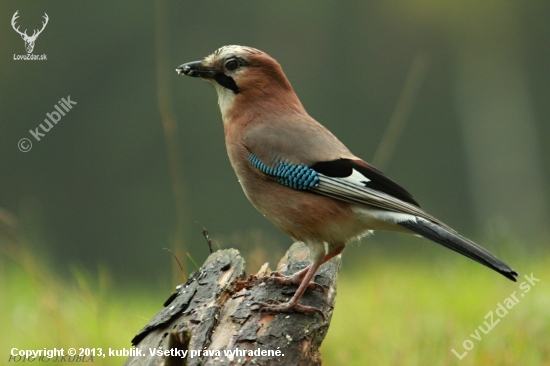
{"x":357,"y":178}
{"x":353,"y":189}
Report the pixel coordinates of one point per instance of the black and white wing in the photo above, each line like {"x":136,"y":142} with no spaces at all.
{"x":358,"y":182}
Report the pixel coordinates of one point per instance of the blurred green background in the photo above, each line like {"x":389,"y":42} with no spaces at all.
{"x":90,"y":206}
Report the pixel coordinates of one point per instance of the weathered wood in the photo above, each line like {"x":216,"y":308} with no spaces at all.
{"x":212,"y":314}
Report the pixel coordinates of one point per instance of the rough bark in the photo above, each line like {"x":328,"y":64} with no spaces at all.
{"x":212,"y":313}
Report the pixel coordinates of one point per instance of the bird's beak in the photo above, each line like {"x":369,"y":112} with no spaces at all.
{"x":196,"y":69}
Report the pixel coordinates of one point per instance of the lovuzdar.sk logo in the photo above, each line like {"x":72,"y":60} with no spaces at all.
{"x":29,"y":40}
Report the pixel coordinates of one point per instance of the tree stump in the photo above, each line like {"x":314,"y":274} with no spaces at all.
{"x":210,"y":320}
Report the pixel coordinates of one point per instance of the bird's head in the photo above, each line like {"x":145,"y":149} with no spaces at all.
{"x":243,"y":76}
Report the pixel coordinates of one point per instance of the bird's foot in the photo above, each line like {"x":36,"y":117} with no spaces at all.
{"x":296,"y":279}
{"x":274,"y":306}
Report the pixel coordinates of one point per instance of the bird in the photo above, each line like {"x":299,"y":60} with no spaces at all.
{"x":302,"y":178}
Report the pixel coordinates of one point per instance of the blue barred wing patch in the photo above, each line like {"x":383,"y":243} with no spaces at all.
{"x":290,"y":175}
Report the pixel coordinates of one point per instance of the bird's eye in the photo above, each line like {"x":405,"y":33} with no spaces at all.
{"x":231,"y":65}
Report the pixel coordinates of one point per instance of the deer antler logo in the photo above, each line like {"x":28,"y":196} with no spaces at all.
{"x":29,"y":40}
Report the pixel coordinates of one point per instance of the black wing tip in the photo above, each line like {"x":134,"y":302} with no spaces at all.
{"x":459,"y":244}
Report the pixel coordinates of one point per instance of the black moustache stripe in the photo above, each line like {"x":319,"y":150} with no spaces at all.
{"x":226,"y":82}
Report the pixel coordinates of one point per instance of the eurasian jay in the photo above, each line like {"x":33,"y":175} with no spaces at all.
{"x":302,"y":178}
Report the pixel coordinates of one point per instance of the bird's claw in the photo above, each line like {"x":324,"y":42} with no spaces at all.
{"x":274,"y":306}
{"x":277,"y":277}
{"x":271,"y":276}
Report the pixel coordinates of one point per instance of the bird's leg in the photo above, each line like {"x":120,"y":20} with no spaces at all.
{"x":295,"y":279}
{"x":333,"y":254}
{"x":303,"y":278}
{"x":298,"y":275}
{"x":293,"y":306}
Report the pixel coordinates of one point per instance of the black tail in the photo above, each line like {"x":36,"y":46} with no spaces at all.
{"x":459,"y":244}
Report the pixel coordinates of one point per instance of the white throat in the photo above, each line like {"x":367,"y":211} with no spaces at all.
{"x":225,"y":99}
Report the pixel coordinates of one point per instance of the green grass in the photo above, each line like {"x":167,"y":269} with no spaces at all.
{"x":415,"y":311}
{"x":407,"y":311}
{"x":38,"y":309}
